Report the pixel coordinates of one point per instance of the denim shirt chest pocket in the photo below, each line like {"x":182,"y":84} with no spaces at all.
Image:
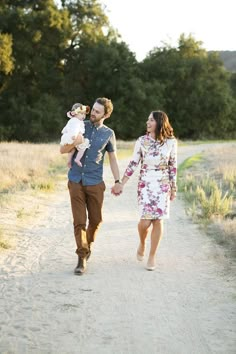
{"x":100,"y":141}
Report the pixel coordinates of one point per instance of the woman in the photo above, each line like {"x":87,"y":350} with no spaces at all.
{"x":157,"y":152}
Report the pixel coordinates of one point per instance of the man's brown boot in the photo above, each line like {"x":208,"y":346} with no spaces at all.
{"x":81,"y":266}
{"x":90,"y":251}
{"x":88,"y":255}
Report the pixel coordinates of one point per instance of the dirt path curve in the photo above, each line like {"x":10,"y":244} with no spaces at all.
{"x":187,"y":306}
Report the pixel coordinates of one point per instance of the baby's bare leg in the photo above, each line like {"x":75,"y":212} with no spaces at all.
{"x":69,"y":159}
{"x":79,"y":156}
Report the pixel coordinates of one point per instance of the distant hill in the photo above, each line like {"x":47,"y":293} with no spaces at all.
{"x":229,"y":59}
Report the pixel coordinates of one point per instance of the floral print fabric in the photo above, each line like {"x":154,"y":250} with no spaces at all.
{"x":157,"y":175}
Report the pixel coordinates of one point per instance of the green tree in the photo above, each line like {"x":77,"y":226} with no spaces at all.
{"x":90,"y":26}
{"x":39,"y":32}
{"x":198,"y":98}
{"x":110,"y":69}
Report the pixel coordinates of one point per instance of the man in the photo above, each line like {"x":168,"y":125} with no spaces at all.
{"x":86,"y":185}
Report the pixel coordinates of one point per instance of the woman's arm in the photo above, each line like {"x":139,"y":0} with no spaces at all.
{"x":173,"y":170}
{"x":134,"y":162}
{"x":118,"y":188}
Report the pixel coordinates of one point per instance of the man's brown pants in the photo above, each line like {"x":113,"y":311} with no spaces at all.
{"x":86,"y":203}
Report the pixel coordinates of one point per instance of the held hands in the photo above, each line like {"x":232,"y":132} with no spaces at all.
{"x":117,"y":189}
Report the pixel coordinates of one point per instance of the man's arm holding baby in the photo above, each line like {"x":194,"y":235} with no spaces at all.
{"x":64,"y":149}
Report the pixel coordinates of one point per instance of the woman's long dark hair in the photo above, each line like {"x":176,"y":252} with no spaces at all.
{"x":163,"y":128}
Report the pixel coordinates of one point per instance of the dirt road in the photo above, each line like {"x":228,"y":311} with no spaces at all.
{"x":186,"y":306}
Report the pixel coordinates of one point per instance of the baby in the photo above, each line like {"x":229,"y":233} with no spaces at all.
{"x":75,"y":126}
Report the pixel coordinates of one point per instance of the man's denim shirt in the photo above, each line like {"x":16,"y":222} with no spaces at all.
{"x":101,"y":139}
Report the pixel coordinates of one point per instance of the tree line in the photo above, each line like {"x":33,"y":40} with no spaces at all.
{"x":229,"y":59}
{"x":52,"y":56}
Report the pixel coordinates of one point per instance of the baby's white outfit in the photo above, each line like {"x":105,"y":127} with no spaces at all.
{"x":74,"y":127}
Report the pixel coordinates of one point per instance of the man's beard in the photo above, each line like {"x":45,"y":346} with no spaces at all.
{"x":95,"y":120}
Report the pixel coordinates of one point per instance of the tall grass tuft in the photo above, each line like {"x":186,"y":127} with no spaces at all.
{"x":214,"y":204}
{"x":206,"y":197}
{"x":3,"y":242}
{"x":209,"y":188}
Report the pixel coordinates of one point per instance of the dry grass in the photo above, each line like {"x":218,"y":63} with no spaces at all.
{"x":26,"y":165}
{"x":125,"y":145}
{"x":224,"y":165}
{"x":38,"y":167}
{"x":29,"y":166}
{"x":27,"y":171}
{"x":222,"y":161}
{"x":224,"y":233}
{"x":212,"y":183}
{"x":125,"y":149}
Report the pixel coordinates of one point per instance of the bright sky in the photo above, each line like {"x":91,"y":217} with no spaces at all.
{"x":145,"y":24}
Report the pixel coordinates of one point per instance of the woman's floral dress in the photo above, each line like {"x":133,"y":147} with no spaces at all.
{"x":157,"y":175}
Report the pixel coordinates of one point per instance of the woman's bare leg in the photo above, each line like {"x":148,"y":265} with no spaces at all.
{"x":156,"y":235}
{"x":143,"y":226}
